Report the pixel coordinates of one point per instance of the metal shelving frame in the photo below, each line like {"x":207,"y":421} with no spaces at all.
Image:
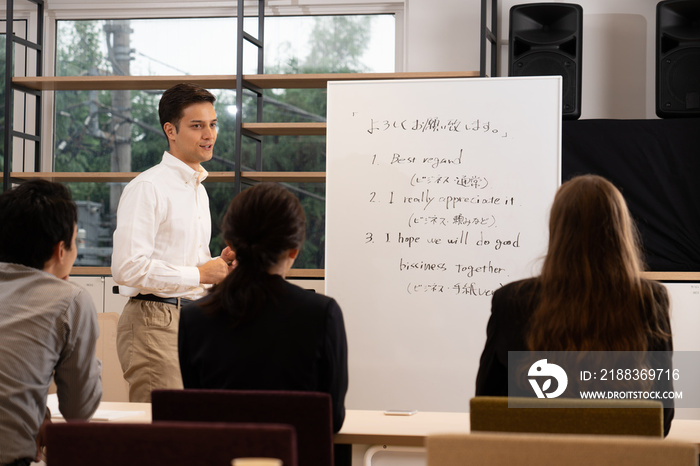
{"x":489,"y":35}
{"x":242,"y":37}
{"x":10,"y":133}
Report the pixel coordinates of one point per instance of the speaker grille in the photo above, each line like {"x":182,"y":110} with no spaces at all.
{"x":678,"y":58}
{"x":551,"y":64}
{"x":545,"y":40}
{"x":683,"y":71}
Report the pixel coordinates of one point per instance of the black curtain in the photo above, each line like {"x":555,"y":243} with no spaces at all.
{"x":656,"y":166}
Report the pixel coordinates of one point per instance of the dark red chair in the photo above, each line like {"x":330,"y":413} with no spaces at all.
{"x":167,"y":443}
{"x":308,"y":412}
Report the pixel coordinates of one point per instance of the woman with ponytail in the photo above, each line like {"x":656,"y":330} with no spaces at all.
{"x":590,"y":295}
{"x":255,"y":330}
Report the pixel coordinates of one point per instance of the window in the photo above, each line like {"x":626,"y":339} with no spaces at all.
{"x":101,"y":131}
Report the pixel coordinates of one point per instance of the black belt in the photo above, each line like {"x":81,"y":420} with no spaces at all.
{"x":158,"y":299}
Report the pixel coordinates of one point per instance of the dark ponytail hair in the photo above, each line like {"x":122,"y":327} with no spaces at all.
{"x":261,"y":224}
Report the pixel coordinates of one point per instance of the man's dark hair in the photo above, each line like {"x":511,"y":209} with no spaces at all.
{"x":34,"y":217}
{"x":174,"y":100}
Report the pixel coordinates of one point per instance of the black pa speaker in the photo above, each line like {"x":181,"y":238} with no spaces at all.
{"x":678,"y":58}
{"x":545,"y":39}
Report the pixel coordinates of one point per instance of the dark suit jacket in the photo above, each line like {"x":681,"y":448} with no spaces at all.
{"x":296,"y":343}
{"x":511,"y":309}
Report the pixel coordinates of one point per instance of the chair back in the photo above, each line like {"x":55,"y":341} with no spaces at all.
{"x":167,"y":443}
{"x":507,"y":449}
{"x":308,"y":412}
{"x":566,"y":416}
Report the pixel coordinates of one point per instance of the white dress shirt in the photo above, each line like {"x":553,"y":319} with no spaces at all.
{"x":163,"y":232}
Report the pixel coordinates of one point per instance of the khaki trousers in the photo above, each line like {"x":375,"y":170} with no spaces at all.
{"x":147,"y":347}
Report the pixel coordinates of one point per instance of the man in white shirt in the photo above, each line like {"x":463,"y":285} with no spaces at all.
{"x":161,"y":254}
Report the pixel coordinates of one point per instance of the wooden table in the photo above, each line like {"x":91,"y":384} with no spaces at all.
{"x":111,"y":411}
{"x":685,"y":430}
{"x":376,"y":428}
{"x":363,"y":427}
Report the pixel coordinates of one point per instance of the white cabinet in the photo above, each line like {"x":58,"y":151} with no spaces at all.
{"x":94,"y":286}
{"x":114,"y":302}
{"x":100,"y":288}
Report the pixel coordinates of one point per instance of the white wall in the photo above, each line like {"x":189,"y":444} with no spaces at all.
{"x":442,"y":35}
{"x":618,"y":49}
{"x":618,"y":57}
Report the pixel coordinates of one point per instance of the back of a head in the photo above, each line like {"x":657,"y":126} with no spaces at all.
{"x":591,"y":233}
{"x":261,"y":223}
{"x":35,"y":216}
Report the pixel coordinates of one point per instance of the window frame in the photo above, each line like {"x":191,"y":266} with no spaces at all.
{"x":161,"y":10}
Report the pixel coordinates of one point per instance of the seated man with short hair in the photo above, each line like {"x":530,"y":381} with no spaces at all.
{"x":48,"y":325}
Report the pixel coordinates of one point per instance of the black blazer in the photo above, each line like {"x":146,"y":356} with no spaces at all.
{"x":511,"y":309}
{"x":297,"y":342}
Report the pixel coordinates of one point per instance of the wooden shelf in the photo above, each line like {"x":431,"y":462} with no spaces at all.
{"x":286,"y":129}
{"x":288,"y":177}
{"x":106,"y":271}
{"x":121,"y":83}
{"x":264,"y":81}
{"x":82,"y":271}
{"x":214,"y":177}
{"x":672,"y":276}
{"x":79,"y":177}
{"x":319,"y":81}
{"x":306,"y":273}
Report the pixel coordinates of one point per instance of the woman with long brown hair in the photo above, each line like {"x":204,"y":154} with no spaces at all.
{"x":590,"y":295}
{"x":255,"y":330}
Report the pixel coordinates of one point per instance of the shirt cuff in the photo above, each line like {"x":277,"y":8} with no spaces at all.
{"x":190,"y":277}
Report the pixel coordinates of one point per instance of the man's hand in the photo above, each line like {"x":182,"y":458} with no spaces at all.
{"x":230,"y":257}
{"x":213,"y":271}
{"x":41,"y":438}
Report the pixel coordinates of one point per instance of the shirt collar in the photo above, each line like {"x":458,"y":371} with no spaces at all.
{"x":185,"y":171}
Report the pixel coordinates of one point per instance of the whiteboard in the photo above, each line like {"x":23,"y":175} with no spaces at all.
{"x":685,"y":314}
{"x":437,"y":193}
{"x":685,"y":322}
